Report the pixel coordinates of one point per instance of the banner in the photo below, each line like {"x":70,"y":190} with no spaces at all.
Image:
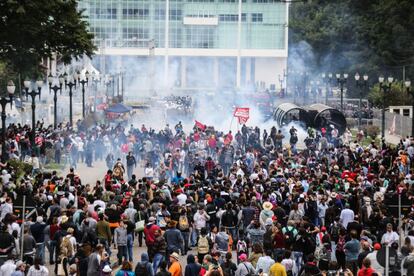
{"x":242,"y":114}
{"x":200,"y":125}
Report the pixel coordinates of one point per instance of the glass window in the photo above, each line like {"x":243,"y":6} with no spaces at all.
{"x":175,"y":14}
{"x":232,"y":17}
{"x":159,"y":14}
{"x":135,"y":13}
{"x":257,"y":17}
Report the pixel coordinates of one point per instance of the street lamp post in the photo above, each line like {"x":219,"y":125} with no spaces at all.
{"x":3,"y":102}
{"x":341,"y":81}
{"x":385,"y":87}
{"x":55,"y":88}
{"x":83,"y":81}
{"x":96,"y":80}
{"x":408,"y":86}
{"x":361,"y":84}
{"x":33,"y":93}
{"x":71,"y":83}
{"x":327,"y":79}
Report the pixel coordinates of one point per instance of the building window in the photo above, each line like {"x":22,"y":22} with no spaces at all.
{"x":135,"y":13}
{"x":232,"y":17}
{"x":266,"y":1}
{"x":159,"y":14}
{"x":103,"y":13}
{"x":257,"y":17}
{"x":175,"y":14}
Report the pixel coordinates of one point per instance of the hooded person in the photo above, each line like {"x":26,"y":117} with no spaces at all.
{"x":149,"y":232}
{"x":192,"y":268}
{"x":144,"y":267}
{"x":266,"y":212}
{"x":130,"y":212}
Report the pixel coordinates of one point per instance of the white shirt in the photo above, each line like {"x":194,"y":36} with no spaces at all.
{"x":5,"y":209}
{"x":43,"y":271}
{"x":182,"y":198}
{"x":200,"y":220}
{"x":264,"y":263}
{"x":347,"y":215}
{"x":7,"y":268}
{"x":389,"y":238}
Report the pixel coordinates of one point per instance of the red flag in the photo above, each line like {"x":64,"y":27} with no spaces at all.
{"x":242,"y":113}
{"x":200,"y":125}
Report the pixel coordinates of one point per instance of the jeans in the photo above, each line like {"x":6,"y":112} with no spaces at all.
{"x":130,"y":244}
{"x":185,"y":236}
{"x":297,"y":258}
{"x":122,"y":253}
{"x":194,"y":237}
{"x":52,"y":246}
{"x":105,"y":243}
{"x":158,"y":258}
{"x":130,"y":170}
{"x":40,"y":251}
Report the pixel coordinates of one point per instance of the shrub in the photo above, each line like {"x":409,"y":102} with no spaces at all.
{"x":372,"y":131}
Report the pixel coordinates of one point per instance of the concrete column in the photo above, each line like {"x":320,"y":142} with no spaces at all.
{"x":183,"y":72}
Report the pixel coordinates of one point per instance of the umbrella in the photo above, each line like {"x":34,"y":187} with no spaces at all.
{"x":118,"y":108}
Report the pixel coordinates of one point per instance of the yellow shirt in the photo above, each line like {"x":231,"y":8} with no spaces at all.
{"x":175,"y":269}
{"x":277,"y":270}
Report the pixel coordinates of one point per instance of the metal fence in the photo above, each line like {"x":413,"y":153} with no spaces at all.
{"x":402,"y":126}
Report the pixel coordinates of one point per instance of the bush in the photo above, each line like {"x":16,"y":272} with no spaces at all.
{"x":372,"y":131}
{"x":20,"y":168}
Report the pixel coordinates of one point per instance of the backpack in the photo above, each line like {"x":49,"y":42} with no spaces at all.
{"x":335,"y":229}
{"x":183,"y":224}
{"x":66,"y":247}
{"x":241,"y":246}
{"x":289,"y":235}
{"x":202,"y":245}
{"x":227,"y":269}
{"x":141,"y":268}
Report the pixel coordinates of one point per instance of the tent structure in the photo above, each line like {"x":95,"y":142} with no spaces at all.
{"x":118,"y":108}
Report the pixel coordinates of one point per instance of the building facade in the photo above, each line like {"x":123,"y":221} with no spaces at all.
{"x":191,"y":44}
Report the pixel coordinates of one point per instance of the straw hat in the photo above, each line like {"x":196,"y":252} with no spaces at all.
{"x":267,"y":206}
{"x":175,"y":256}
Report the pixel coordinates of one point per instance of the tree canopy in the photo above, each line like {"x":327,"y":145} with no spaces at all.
{"x":366,"y":36}
{"x":35,"y":29}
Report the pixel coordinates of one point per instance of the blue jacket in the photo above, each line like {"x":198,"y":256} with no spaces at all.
{"x":352,"y":250}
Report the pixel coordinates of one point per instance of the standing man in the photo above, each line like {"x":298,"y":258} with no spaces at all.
{"x":37,"y":230}
{"x":131,"y":164}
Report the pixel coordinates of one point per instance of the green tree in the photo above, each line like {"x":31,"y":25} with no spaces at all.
{"x":397,"y":95}
{"x":366,"y":36}
{"x":35,"y":29}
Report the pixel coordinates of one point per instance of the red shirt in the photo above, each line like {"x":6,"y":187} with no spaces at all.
{"x":149,"y":232}
{"x":53,"y":229}
{"x":365,"y":271}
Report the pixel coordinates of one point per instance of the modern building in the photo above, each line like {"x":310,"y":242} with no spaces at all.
{"x":191,"y":44}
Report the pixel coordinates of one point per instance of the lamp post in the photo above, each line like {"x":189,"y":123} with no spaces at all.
{"x":341,"y":82}
{"x":327,"y":79}
{"x":55,"y":88}
{"x":361,"y":84}
{"x":3,"y":102}
{"x":386,"y":87}
{"x":408,"y":86}
{"x":83,"y":81}
{"x":71,"y":83}
{"x":96,"y":80}
{"x":33,"y":93}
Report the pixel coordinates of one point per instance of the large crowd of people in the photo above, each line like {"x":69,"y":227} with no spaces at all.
{"x":231,"y":204}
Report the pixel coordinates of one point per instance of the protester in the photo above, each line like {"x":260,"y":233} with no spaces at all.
{"x":272,"y":200}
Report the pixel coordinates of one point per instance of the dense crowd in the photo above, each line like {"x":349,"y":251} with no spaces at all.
{"x":234,"y":204}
